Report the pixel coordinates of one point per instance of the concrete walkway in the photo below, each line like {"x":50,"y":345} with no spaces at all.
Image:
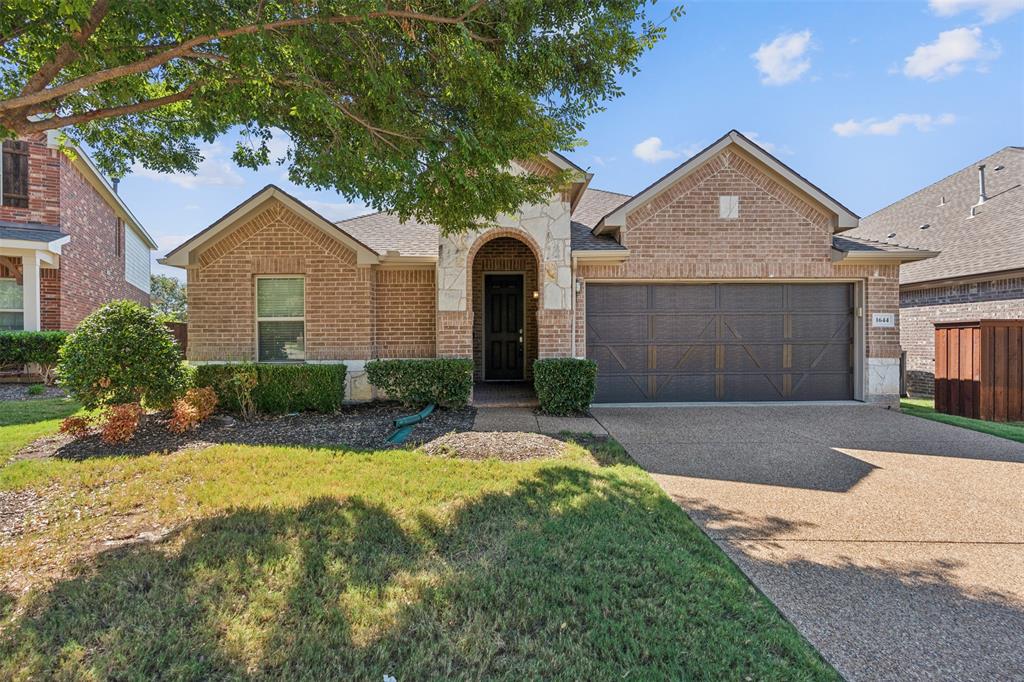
{"x":525,"y":419}
{"x":895,"y":544}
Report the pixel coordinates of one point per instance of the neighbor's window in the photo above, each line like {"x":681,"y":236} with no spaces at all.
{"x":12,"y":316}
{"x":280,"y":319}
{"x":14,"y":174}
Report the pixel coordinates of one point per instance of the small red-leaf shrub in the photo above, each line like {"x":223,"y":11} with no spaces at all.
{"x":76,"y":427}
{"x":120,"y":422}
{"x":192,"y":409}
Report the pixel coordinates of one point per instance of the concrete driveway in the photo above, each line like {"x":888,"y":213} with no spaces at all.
{"x":895,"y":544}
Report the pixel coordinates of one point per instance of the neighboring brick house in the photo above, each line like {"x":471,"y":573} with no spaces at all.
{"x":975,"y":218}
{"x":725,"y":280}
{"x":68,"y":243}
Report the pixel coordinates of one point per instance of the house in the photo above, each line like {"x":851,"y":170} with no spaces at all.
{"x":727,"y":279}
{"x":68,"y":243}
{"x":975,"y":218}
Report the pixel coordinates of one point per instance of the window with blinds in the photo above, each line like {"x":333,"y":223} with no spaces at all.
{"x":280,"y":319}
{"x":12,"y":316}
{"x":14,"y":174}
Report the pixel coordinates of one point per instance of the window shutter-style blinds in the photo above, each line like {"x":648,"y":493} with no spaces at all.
{"x":14,"y":174}
{"x":281,"y":328}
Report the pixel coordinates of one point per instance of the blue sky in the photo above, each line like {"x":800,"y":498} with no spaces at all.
{"x":869,"y":100}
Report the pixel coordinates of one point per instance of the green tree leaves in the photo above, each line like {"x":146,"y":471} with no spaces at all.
{"x":414,"y":107}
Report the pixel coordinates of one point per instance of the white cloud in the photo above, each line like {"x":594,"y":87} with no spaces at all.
{"x":278,"y":144}
{"x":336,"y":210}
{"x":215,"y":170}
{"x":991,"y":11}
{"x":893,"y":126}
{"x":769,"y":147}
{"x":650,"y":150}
{"x":948,"y":54}
{"x":783,"y":60}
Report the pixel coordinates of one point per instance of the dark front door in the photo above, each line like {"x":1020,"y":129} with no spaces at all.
{"x":503,"y":327}
{"x":697,"y":342}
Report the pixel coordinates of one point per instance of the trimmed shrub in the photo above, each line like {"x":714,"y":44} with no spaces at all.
{"x":192,"y":409}
{"x":121,"y":353}
{"x":564,"y":385}
{"x":445,"y":382}
{"x":274,"y":389}
{"x":41,"y":348}
{"x":76,"y":427}
{"x":120,"y":422}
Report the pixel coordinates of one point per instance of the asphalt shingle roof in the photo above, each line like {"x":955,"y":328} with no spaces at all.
{"x":383,"y":232}
{"x":30,"y":232}
{"x":989,"y":242}
{"x":847,"y":243}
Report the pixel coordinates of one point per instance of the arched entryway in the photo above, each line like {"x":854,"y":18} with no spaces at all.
{"x":505,"y":298}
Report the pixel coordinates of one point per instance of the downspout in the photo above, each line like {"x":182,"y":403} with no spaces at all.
{"x":572,"y":307}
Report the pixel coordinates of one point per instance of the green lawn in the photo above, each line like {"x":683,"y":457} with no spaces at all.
{"x":920,"y":407}
{"x":22,"y":421}
{"x":325,"y":564}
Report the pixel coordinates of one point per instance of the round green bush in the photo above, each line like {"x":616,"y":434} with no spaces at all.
{"x":121,"y":353}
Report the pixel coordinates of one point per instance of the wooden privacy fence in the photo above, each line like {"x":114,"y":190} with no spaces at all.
{"x":179,"y":330}
{"x":979,"y":369}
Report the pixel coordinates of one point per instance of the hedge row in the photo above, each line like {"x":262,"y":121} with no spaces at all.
{"x":275,"y":389}
{"x":20,"y":348}
{"x":41,"y":348}
{"x":564,"y":386}
{"x":444,"y":382}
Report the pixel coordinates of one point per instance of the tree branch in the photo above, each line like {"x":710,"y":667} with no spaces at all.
{"x":186,"y":47}
{"x":109,"y":112}
{"x":67,"y":52}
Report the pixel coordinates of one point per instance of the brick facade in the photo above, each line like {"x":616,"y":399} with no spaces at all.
{"x":920,"y":308}
{"x":92,"y":268}
{"x":45,"y":166}
{"x":353,"y":312}
{"x":679,"y":236}
{"x":92,"y":263}
{"x":405,"y":313}
{"x":356,"y":312}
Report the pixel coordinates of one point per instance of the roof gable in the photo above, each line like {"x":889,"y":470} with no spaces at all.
{"x":184,"y":255}
{"x":844,"y":217}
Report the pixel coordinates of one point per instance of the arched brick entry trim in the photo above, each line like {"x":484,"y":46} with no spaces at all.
{"x":490,"y":236}
{"x":499,"y":254}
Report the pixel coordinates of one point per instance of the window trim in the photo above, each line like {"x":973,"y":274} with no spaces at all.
{"x":16,"y":310}
{"x":258,"y":319}
{"x":26,"y":154}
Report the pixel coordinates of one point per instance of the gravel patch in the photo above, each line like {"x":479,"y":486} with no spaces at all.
{"x":365,"y":426}
{"x":20,"y":392}
{"x":511,"y":446}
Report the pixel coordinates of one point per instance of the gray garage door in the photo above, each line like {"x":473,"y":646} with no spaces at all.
{"x":707,"y":342}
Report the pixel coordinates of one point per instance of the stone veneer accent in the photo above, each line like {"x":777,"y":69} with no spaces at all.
{"x":545,"y":230}
{"x":922,"y":306}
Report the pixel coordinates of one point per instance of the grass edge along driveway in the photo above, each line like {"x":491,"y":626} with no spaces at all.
{"x":295,"y":562}
{"x":925,"y":408}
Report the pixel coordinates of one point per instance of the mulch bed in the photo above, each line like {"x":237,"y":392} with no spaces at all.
{"x":365,"y":426}
{"x":20,"y":392}
{"x":511,"y":446}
